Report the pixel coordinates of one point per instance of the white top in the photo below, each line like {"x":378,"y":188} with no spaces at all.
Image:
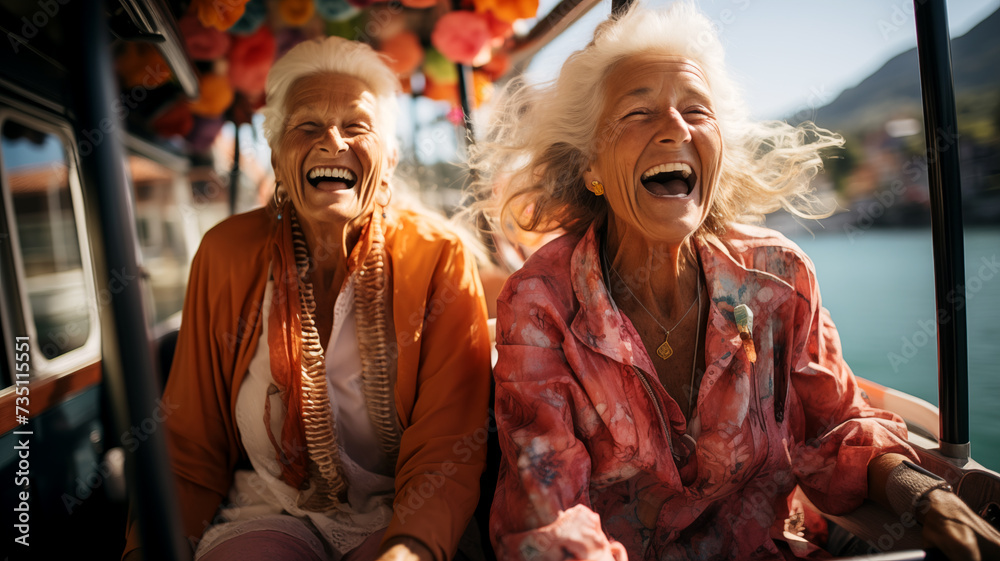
{"x":261,"y":493}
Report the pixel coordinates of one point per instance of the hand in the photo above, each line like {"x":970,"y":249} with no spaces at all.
{"x":575,"y":534}
{"x":406,"y":549}
{"x":951,"y":526}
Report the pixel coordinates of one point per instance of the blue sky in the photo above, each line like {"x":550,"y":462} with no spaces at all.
{"x":791,"y":55}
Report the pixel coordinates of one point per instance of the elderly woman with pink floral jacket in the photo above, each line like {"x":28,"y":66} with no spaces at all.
{"x":667,"y":375}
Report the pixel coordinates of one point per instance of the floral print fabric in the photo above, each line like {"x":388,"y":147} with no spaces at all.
{"x":579,"y":409}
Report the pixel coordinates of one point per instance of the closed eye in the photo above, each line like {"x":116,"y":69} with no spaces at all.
{"x":635,"y":112}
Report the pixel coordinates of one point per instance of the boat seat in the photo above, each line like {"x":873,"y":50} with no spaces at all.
{"x":166,"y":345}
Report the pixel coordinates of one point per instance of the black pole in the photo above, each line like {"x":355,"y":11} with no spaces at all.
{"x":234,"y":172}
{"x":127,"y":362}
{"x":466,"y":90}
{"x":619,"y":7}
{"x":466,"y":97}
{"x":941,"y":133}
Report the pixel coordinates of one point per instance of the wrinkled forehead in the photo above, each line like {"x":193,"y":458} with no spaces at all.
{"x":654,"y":62}
{"x":641,"y":77}
{"x":329,"y":92}
{"x":654,"y":66}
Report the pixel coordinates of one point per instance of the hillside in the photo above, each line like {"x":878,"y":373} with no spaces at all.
{"x":895,"y":88}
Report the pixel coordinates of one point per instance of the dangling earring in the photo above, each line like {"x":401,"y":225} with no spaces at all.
{"x":597,"y":188}
{"x":384,"y":198}
{"x":278,"y":198}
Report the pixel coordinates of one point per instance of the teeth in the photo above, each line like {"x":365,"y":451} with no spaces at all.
{"x":338,"y":173}
{"x":664,"y":168}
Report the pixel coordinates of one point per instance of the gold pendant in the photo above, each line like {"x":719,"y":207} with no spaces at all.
{"x":664,"y":351}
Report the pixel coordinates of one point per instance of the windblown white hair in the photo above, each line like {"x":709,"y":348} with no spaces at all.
{"x":331,"y":55}
{"x":541,"y":139}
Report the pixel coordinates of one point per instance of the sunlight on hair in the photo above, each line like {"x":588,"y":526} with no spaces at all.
{"x":541,"y":138}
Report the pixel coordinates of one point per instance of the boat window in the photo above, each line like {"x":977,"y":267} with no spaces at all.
{"x":162,"y":231}
{"x":36,"y":177}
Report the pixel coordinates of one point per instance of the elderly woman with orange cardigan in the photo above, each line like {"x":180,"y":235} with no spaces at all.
{"x":333,"y":360}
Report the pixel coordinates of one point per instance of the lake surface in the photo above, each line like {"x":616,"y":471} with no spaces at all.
{"x":879,"y":288}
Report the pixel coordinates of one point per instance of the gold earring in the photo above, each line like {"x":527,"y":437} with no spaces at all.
{"x":598,"y":188}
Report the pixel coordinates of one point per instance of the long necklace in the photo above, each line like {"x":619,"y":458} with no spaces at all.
{"x":687,"y":439}
{"x":694,"y":363}
{"x":664,"y":351}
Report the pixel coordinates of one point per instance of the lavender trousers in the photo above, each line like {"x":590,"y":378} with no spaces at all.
{"x":268,"y":545}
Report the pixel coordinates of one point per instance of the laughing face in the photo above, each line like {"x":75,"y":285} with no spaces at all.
{"x":331,"y":158}
{"x":659,"y":147}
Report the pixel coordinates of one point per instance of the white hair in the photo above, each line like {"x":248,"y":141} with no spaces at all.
{"x":338,"y":56}
{"x":542,"y":138}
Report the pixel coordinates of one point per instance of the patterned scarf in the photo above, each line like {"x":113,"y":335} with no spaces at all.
{"x":309,"y":453}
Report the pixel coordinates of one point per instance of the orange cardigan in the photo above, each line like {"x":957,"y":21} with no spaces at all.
{"x":441,"y":388}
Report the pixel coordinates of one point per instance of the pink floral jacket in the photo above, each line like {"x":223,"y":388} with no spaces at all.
{"x":584,"y":420}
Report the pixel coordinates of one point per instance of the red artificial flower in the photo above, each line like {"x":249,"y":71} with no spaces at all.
{"x":499,"y":29}
{"x":461,"y":35}
{"x":203,"y":43}
{"x":175,"y":121}
{"x":497,"y":66}
{"x":420,"y":3}
{"x":250,"y":60}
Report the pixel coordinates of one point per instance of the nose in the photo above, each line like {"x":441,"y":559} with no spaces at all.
{"x":333,"y":141}
{"x":673,"y":128}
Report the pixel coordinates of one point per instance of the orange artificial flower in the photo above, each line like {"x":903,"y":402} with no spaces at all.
{"x":216,"y":96}
{"x":220,"y":14}
{"x":296,"y":12}
{"x":403,"y":51}
{"x":509,"y":10}
{"x":441,"y":92}
{"x":482,"y":87}
{"x":140,"y":65}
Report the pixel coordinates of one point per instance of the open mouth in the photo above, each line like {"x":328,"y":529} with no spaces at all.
{"x":334,"y":177}
{"x":669,"y":180}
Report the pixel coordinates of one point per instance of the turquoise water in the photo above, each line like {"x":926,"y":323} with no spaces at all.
{"x":879,"y":288}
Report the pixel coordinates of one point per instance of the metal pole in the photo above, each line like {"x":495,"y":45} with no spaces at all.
{"x":619,"y":7}
{"x":466,"y":90}
{"x":234,"y":172}
{"x":941,"y":133}
{"x":466,"y":97}
{"x":127,"y":364}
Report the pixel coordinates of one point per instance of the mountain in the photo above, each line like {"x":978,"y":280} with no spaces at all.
{"x":895,"y":88}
